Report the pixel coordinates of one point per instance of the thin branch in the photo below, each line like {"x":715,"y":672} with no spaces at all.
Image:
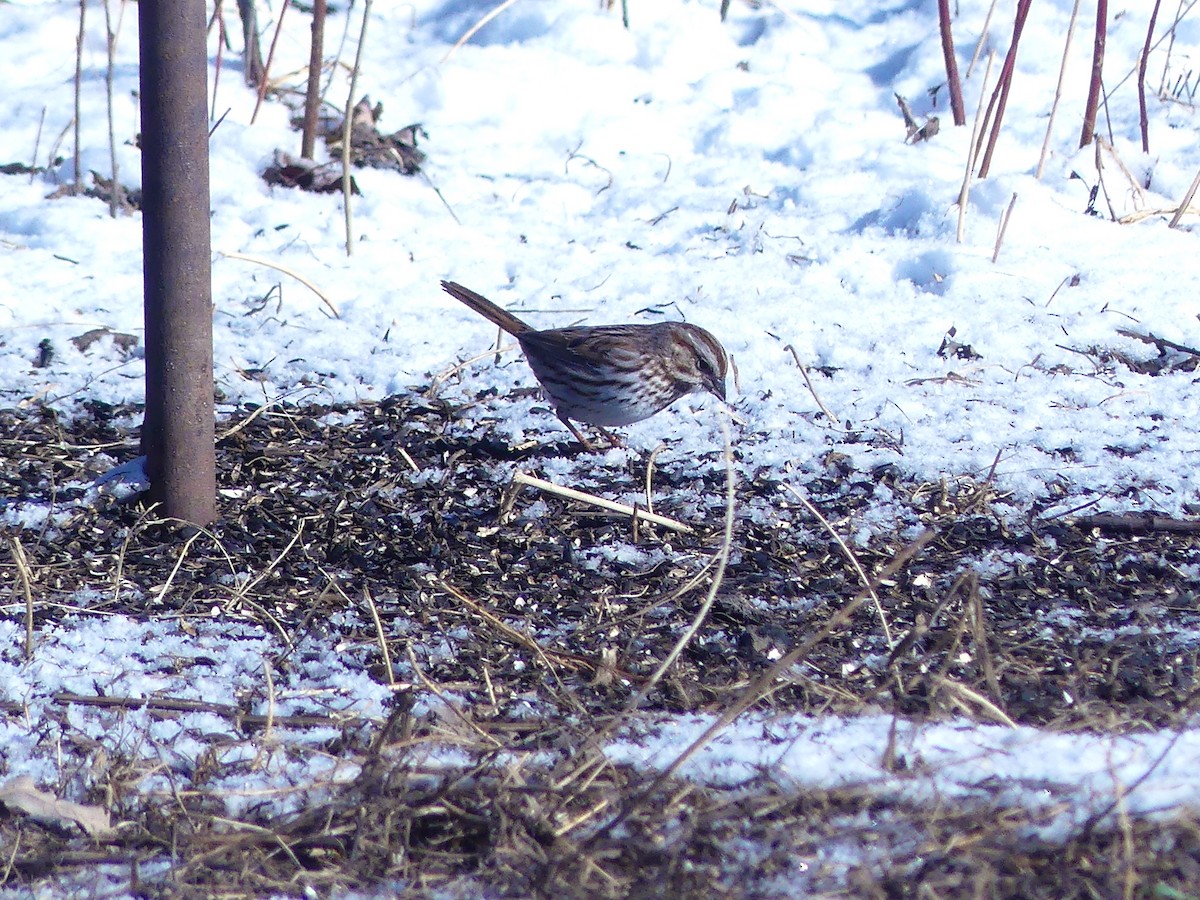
{"x":1093,"y":100}
{"x":952,"y":79}
{"x":983,"y":33}
{"x":972,"y":152}
{"x":1058,"y":89}
{"x":851,"y":558}
{"x":348,"y":127}
{"x":278,"y":268}
{"x":571,"y":494}
{"x":1141,"y":82}
{"x":470,"y":32}
{"x":1004,"y":85}
{"x":111,"y":47}
{"x":266,"y":74}
{"x":1186,"y":203}
{"x":1004,"y":217}
{"x":76,"y":188}
{"x":22,"y":564}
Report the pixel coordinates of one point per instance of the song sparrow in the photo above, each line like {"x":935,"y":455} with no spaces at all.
{"x":611,"y":374}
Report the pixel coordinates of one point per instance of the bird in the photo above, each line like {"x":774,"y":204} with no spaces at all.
{"x":611,"y":375}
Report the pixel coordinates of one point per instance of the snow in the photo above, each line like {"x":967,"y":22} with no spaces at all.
{"x":751,"y":177}
{"x":1074,"y":776}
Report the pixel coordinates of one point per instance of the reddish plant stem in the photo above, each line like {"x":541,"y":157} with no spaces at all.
{"x":952,"y":79}
{"x":1003,"y":85}
{"x":1093,"y":100}
{"x":1143,"y":119}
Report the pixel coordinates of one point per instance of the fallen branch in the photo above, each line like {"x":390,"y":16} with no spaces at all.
{"x":1162,"y":344}
{"x":1135,"y":523}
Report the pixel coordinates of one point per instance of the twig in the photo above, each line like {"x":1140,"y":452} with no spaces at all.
{"x":1100,"y":816}
{"x":471,"y":32}
{"x":269,"y":725}
{"x":572,"y":661}
{"x":833,"y":421}
{"x":624,"y":509}
{"x":111,"y":46}
{"x":1098,"y":153}
{"x":974,"y":604}
{"x":1136,"y":524}
{"x":22,"y":563}
{"x":437,"y":190}
{"x":1169,"y":37}
{"x":1143,"y":119}
{"x":379,"y":633}
{"x":962,"y":693}
{"x":1058,"y":89}
{"x":37,"y":141}
{"x":446,"y":374}
{"x":75,"y":189}
{"x":1139,"y":193}
{"x":973,"y":151}
{"x":348,"y":127}
{"x":1093,"y":100}
{"x":218,"y":19}
{"x":851,"y":558}
{"x":650,"y":476}
{"x":450,"y":704}
{"x":278,"y":268}
{"x":1004,"y":85}
{"x":162,"y":591}
{"x":952,"y":79}
{"x":266,"y":73}
{"x":1003,"y":226}
{"x":244,"y":423}
{"x":244,"y":589}
{"x":1141,"y":215}
{"x":1186,"y":203}
{"x":252,"y":61}
{"x":1161,"y":343}
{"x":983,"y":33}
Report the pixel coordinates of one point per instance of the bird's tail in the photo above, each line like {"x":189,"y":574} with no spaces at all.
{"x":486,"y":308}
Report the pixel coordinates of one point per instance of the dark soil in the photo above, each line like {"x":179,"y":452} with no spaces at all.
{"x":999,"y":617}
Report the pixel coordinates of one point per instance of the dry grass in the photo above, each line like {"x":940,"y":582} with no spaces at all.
{"x":1076,"y":630}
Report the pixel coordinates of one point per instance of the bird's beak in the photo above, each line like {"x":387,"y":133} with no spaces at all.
{"x":716,"y":385}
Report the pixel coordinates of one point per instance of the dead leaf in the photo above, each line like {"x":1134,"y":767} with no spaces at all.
{"x":123,"y":342}
{"x":21,"y":793}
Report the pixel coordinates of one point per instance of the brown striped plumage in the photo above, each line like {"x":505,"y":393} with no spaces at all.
{"x":611,"y":374}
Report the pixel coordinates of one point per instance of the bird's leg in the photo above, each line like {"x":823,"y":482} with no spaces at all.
{"x":575,"y":431}
{"x":587,"y":445}
{"x":609,"y":436}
